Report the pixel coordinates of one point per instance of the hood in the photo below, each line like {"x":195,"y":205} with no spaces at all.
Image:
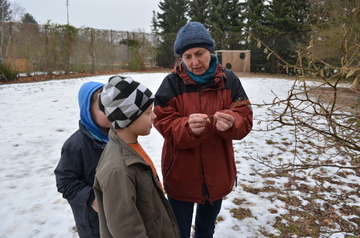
{"x":84,"y":98}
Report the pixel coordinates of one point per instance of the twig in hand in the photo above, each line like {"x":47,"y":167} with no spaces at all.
{"x":238,"y":102}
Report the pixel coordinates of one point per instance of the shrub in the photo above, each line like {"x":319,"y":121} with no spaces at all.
{"x":6,"y":74}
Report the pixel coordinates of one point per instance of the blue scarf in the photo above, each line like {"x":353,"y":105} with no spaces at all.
{"x":210,"y":72}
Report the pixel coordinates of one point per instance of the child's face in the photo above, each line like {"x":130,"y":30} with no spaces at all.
{"x":98,"y":116}
{"x":143,"y":124}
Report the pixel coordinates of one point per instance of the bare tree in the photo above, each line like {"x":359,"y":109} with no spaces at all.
{"x":17,"y":12}
{"x":317,"y":113}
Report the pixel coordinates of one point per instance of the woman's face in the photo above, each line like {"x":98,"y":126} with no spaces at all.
{"x":197,"y":60}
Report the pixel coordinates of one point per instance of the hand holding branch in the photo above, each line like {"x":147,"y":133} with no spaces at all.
{"x":224,"y":121}
{"x":197,"y":122}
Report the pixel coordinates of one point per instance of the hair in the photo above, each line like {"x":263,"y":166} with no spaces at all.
{"x":95,"y":96}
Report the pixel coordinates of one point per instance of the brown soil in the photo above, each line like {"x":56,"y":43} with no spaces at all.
{"x":345,"y":98}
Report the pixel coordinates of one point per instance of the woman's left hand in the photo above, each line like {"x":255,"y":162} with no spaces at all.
{"x":224,"y":121}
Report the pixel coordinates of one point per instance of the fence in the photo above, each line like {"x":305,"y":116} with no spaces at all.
{"x":31,"y":48}
{"x":62,"y":49}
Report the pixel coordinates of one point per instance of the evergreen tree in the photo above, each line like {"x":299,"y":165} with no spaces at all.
{"x":173,"y":15}
{"x":5,"y":12}
{"x":168,"y":23}
{"x":199,"y":11}
{"x":235,"y":33}
{"x":154,"y":23}
{"x":254,"y":15}
{"x":28,"y":18}
{"x":225,"y":18}
{"x":287,"y":27}
{"x":282,"y":25}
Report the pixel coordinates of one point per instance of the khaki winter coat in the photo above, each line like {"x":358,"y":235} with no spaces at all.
{"x":130,"y":200}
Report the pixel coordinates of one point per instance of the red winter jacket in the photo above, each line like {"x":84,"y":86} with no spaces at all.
{"x":197,"y":168}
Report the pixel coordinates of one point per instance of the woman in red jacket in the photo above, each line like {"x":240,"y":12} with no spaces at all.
{"x":201,"y":107}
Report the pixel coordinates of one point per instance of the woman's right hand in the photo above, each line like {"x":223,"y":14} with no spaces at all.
{"x":197,"y":123}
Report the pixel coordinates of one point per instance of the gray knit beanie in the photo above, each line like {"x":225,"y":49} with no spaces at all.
{"x":123,"y":100}
{"x":193,"y":34}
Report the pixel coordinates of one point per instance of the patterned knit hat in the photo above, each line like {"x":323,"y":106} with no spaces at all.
{"x":193,"y":34}
{"x":123,"y":100}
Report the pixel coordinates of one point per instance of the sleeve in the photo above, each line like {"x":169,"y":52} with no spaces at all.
{"x":68,"y":176}
{"x":171,"y":124}
{"x":119,"y":200}
{"x":240,"y":109}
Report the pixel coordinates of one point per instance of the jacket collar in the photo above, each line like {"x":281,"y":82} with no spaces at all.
{"x":97,"y":143}
{"x":130,"y":156}
{"x":216,"y":81}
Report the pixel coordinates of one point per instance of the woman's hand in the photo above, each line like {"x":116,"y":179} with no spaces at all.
{"x":224,"y":121}
{"x":197,"y":123}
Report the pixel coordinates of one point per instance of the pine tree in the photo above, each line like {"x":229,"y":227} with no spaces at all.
{"x":173,"y":16}
{"x":225,"y":18}
{"x":280,"y":24}
{"x":154,"y":23}
{"x":28,"y":18}
{"x":287,"y":24}
{"x":254,"y":15}
{"x":168,"y":23}
{"x":199,"y":11}
{"x":5,"y":12}
{"x":236,"y":25}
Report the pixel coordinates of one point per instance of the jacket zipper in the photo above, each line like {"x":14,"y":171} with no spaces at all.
{"x":205,"y":191}
{"x":201,"y":88}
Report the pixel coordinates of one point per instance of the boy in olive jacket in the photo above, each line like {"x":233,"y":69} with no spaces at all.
{"x":131,"y":201}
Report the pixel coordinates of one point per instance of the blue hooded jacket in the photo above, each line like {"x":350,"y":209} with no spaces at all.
{"x":75,"y":171}
{"x":84,"y":97}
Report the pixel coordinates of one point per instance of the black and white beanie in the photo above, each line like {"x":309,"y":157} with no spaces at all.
{"x":123,"y":100}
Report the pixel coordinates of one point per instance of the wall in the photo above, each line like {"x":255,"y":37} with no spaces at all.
{"x":19,"y":64}
{"x":235,"y":60}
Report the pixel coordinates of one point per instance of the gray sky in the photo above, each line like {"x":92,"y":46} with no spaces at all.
{"x":129,"y":15}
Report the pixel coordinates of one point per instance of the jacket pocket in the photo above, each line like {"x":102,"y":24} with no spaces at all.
{"x":154,"y":227}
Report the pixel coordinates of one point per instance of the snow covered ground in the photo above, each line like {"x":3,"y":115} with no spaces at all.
{"x":35,"y":120}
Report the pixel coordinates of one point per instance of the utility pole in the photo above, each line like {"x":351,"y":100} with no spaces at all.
{"x":2,"y":32}
{"x":67,"y":11}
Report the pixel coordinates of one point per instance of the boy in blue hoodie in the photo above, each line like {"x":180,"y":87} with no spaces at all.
{"x":80,"y":155}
